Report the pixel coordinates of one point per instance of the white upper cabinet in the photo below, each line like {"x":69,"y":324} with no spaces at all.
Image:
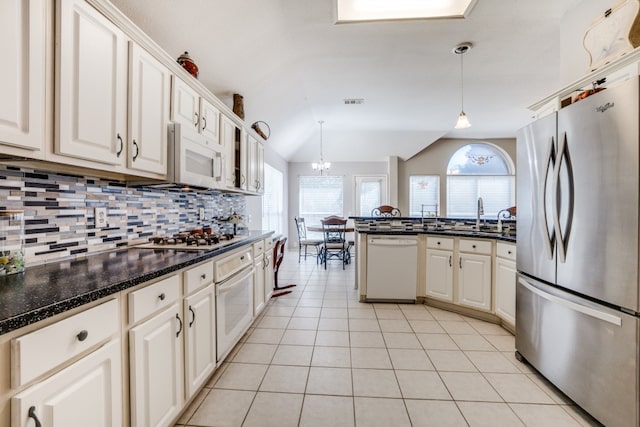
{"x":23,"y":73}
{"x":209,"y":121}
{"x":149,"y":102}
{"x":185,"y":103}
{"x":255,"y":164}
{"x":189,"y":109}
{"x":91,"y":85}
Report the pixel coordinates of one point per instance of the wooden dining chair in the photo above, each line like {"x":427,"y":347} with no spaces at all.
{"x":385,"y":210}
{"x":335,"y":242}
{"x":303,"y":241}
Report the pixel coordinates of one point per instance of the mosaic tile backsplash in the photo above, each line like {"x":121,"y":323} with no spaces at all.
{"x":59,"y":212}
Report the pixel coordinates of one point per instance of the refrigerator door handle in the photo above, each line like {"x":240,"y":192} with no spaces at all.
{"x":563,"y":159}
{"x":550,"y":161}
{"x":614,"y":320}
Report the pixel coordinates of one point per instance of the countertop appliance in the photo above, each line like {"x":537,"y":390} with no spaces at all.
{"x":392,"y":265}
{"x":577,"y":308}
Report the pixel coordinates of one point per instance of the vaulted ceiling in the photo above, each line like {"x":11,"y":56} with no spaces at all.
{"x":295,"y":66}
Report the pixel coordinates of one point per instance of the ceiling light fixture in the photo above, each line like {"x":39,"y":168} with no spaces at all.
{"x":381,"y":10}
{"x":322,"y":166}
{"x":463,"y":121}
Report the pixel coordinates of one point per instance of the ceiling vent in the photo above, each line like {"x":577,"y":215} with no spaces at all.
{"x":354,"y":101}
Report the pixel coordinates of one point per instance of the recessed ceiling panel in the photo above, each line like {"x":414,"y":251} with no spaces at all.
{"x":383,"y":10}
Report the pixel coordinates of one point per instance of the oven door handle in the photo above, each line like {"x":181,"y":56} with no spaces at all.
{"x":233,"y":282}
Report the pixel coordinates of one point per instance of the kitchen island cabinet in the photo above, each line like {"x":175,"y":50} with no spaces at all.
{"x":439,"y":268}
{"x":474,"y":276}
{"x":505,"y":284}
{"x":458,"y":269}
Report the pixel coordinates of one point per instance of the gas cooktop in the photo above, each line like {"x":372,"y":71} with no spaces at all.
{"x":191,"y":241}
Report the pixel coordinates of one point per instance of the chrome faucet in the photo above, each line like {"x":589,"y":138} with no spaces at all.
{"x":479,"y":213}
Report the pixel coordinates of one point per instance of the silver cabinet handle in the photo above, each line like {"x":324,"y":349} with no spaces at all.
{"x":197,"y":119}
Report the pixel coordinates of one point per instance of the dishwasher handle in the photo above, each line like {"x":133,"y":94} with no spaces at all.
{"x":393,"y":242}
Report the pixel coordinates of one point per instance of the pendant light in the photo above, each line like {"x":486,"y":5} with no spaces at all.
{"x":322,"y":166}
{"x":463,"y":121}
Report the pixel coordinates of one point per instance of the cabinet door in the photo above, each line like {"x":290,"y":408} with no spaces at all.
{"x":228,"y":132}
{"x":185,"y":104}
{"x":259,"y":167}
{"x":148,"y":112}
{"x":87,"y":393}
{"x":200,"y":338}
{"x":23,"y":73}
{"x":209,"y":122}
{"x":474,"y":281}
{"x":91,"y":84}
{"x":258,"y":285}
{"x":505,"y":298}
{"x":252,"y":170}
{"x":156,"y":369}
{"x":440,"y":274}
{"x":242,"y":146}
{"x":268,"y":277}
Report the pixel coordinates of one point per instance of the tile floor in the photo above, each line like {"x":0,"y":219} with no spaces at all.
{"x":318,"y":357}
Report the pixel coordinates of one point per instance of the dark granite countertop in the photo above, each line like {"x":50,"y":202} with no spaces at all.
{"x":46,"y":290}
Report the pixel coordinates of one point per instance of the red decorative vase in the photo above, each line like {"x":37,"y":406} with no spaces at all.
{"x":188,"y":64}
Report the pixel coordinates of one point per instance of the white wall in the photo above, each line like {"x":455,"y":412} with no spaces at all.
{"x":346,"y":169}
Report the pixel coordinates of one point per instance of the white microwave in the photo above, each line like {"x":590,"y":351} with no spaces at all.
{"x":193,"y":160}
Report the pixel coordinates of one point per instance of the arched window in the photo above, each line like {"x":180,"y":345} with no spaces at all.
{"x":479,"y":170}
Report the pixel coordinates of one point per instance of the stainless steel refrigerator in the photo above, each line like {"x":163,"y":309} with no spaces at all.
{"x":577,"y":307}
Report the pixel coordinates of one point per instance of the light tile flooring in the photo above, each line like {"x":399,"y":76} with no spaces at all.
{"x":318,"y":357}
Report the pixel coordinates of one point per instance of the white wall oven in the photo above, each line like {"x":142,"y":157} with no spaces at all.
{"x":234,"y":299}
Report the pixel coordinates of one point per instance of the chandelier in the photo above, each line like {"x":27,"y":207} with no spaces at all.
{"x":322,"y":165}
{"x":463,"y":121}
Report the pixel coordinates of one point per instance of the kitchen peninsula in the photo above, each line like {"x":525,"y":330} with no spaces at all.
{"x":456,"y":266}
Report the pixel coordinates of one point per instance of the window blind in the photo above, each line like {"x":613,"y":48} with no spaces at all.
{"x":320,"y":196}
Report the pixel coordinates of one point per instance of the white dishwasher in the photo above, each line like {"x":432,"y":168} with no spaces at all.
{"x":392,"y":268}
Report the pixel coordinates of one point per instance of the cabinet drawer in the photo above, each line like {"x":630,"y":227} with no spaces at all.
{"x":268,"y":244}
{"x":475,"y":246}
{"x":38,"y":352}
{"x":505,"y":250}
{"x":258,"y":248}
{"x":440,"y":243}
{"x":197,"y":277}
{"x":146,"y":301}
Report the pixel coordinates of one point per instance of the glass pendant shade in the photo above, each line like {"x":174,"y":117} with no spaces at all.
{"x":463,"y":121}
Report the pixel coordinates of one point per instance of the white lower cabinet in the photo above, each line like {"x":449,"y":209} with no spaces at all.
{"x":258,"y":278}
{"x":474,"y":274}
{"x":156,"y":369}
{"x":439,"y":268}
{"x":440,"y":274}
{"x":86,"y":393}
{"x":268,"y":274}
{"x":200,"y":338}
{"x":505,"y":283}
